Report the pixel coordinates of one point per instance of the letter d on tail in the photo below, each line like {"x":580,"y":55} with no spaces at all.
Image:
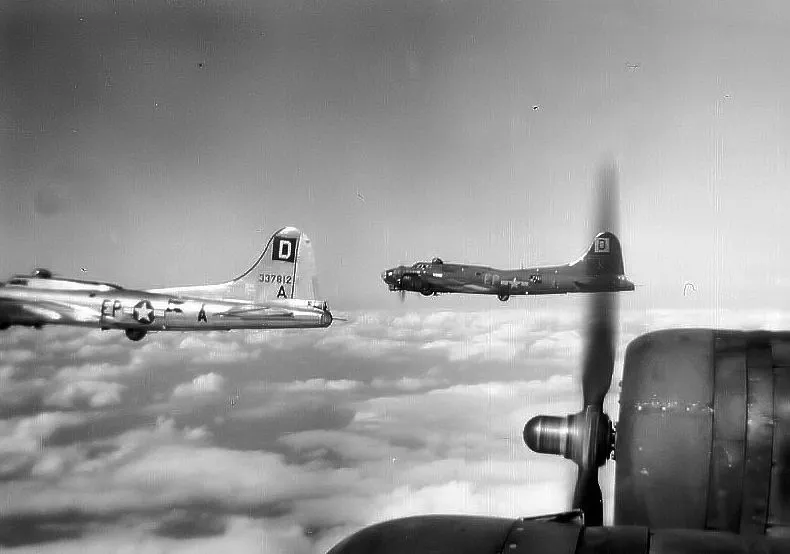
{"x":284,"y":249}
{"x":604,"y":256}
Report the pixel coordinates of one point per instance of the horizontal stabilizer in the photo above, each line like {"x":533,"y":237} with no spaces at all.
{"x":255,"y":312}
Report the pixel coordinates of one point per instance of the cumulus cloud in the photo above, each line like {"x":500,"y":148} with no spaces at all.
{"x":208,"y":384}
{"x":345,"y":444}
{"x":15,"y":356}
{"x":313,"y":385}
{"x":408,"y":384}
{"x":241,"y":535}
{"x":28,"y":433}
{"x":95,"y":371}
{"x":96,"y":394}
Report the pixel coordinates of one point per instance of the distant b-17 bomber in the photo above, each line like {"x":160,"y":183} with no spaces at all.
{"x":277,"y":292}
{"x":600,"y":269}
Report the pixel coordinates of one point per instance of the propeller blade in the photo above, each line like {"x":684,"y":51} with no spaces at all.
{"x":599,"y":347}
{"x":402,"y":295}
{"x":587,"y":437}
{"x":607,"y":198}
{"x":587,"y":496}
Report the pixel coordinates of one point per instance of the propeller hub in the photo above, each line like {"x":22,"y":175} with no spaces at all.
{"x":587,"y":437}
{"x":548,"y":435}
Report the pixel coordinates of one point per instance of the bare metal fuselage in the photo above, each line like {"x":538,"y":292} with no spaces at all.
{"x":54,"y":301}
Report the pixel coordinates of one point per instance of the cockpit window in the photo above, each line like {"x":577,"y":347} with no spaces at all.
{"x":437,"y":261}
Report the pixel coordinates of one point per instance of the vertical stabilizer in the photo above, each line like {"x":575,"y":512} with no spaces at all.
{"x":605,"y":257}
{"x":285,"y":270}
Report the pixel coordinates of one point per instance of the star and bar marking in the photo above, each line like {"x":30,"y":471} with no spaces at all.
{"x":144,"y":312}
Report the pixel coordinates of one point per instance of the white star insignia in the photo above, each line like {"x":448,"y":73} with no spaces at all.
{"x":144,"y":312}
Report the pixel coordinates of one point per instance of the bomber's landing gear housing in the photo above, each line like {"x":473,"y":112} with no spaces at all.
{"x":503,"y":296}
{"x":136,"y":334}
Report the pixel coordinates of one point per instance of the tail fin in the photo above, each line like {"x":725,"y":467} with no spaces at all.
{"x":286,"y":269}
{"x":605,"y":257}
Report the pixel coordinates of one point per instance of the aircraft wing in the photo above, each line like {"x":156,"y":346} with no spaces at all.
{"x":48,"y":311}
{"x":256,"y":312}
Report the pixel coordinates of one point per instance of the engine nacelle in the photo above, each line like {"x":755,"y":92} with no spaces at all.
{"x":703,"y":437}
{"x":549,"y":535}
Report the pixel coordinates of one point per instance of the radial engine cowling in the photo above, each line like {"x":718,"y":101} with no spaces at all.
{"x":411,"y":282}
{"x":703,"y":437}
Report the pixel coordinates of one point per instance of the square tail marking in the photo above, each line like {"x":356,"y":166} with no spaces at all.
{"x":602,"y":245}
{"x":284,"y":249}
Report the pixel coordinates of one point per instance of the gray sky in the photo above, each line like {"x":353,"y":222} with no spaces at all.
{"x":150,"y":144}
{"x":162,"y":144}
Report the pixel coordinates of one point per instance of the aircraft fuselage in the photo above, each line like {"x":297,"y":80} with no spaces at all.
{"x":40,"y":302}
{"x":600,"y":269}
{"x":430,"y":278}
{"x":277,"y":292}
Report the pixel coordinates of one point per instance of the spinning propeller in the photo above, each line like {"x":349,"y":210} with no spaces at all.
{"x":587,"y":437}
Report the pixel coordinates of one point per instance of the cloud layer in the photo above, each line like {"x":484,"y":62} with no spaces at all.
{"x":289,"y":439}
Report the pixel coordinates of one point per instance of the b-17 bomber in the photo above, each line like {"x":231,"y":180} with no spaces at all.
{"x":277,"y":292}
{"x":600,"y":269}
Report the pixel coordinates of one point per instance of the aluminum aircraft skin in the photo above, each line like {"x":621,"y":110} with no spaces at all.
{"x":600,"y":269}
{"x":277,"y":292}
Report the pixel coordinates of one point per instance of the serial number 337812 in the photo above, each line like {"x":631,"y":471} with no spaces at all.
{"x":275,"y":278}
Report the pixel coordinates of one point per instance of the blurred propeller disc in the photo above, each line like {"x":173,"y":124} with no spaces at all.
{"x":587,"y":437}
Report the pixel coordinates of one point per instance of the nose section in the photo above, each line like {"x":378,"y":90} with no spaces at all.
{"x":326,"y":318}
{"x":390,"y":277}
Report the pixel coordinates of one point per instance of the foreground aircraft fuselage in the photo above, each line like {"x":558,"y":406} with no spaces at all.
{"x":599,"y":270}
{"x":275,"y":293}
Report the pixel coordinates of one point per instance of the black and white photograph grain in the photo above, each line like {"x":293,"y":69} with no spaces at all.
{"x":394,"y":277}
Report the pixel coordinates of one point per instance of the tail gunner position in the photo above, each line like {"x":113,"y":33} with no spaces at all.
{"x":277,"y":292}
{"x":599,"y":270}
